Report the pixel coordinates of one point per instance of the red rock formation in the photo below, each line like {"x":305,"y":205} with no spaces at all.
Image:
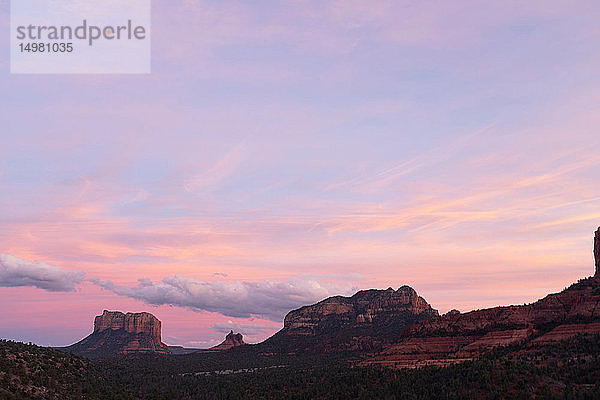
{"x":366,"y":322}
{"x":231,"y":340}
{"x":455,"y":337}
{"x":119,"y":333}
{"x":567,"y":331}
{"x":572,"y":311}
{"x":130,"y":322}
{"x":597,"y":252}
{"x":419,"y":352}
{"x":366,"y":307}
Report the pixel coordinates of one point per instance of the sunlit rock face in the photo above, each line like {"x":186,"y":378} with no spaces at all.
{"x":133,"y":323}
{"x":119,"y":333}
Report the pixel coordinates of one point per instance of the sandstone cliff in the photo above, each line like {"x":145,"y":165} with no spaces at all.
{"x":132,"y":323}
{"x":458,"y":337}
{"x":597,"y":251}
{"x":366,"y":321}
{"x":367,"y":307}
{"x":119,"y":333}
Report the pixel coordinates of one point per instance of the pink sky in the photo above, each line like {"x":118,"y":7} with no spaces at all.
{"x":280,"y":153}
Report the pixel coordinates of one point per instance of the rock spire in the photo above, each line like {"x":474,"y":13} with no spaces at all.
{"x":597,"y":252}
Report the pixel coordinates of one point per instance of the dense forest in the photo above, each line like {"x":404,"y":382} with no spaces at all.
{"x":569,"y":370}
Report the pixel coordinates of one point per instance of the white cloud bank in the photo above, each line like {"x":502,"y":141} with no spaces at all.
{"x":16,"y":272}
{"x":265,"y":299}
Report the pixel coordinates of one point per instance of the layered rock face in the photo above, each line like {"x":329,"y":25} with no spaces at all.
{"x":455,"y":337}
{"x":364,"y":322}
{"x":133,"y":323}
{"x":231,"y":340}
{"x":367,"y":307}
{"x":119,"y":333}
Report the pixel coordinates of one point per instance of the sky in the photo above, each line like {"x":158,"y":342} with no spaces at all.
{"x":283,"y":152}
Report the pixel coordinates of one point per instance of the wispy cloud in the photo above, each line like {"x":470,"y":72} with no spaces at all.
{"x":397,"y":142}
{"x":264,"y":299}
{"x":213,"y":175}
{"x":16,"y":272}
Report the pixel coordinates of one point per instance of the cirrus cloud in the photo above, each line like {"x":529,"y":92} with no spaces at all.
{"x":16,"y":272}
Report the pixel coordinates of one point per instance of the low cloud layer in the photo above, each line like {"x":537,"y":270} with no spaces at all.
{"x":16,"y":272}
{"x":265,"y":299}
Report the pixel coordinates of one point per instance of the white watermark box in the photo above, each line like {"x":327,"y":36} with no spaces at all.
{"x":80,"y":36}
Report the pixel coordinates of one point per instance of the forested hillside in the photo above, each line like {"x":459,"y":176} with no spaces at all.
{"x":32,"y":372}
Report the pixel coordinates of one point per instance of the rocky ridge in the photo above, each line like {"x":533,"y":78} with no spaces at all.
{"x":455,"y":337}
{"x":367,"y":307}
{"x":366,"y":321}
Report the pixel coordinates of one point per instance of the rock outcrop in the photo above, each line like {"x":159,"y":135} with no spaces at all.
{"x":231,"y":340}
{"x":119,"y":333}
{"x":367,"y":307}
{"x":597,"y":252}
{"x":367,"y":321}
{"x":454,"y":337}
{"x":133,"y":323}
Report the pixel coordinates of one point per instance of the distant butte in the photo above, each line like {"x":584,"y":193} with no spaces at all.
{"x":231,"y":340}
{"x":392,"y":327}
{"x":119,"y":333}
